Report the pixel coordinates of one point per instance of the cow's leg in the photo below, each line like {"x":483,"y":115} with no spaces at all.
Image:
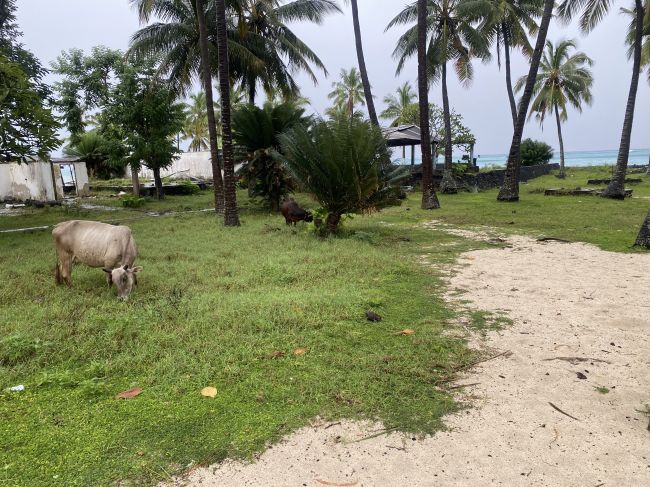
{"x":64,"y":268}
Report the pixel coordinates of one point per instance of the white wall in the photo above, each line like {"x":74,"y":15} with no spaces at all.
{"x":81,"y":176}
{"x":27,"y":181}
{"x":195,"y":164}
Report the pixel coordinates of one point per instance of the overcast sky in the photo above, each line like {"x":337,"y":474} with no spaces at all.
{"x":55,"y":25}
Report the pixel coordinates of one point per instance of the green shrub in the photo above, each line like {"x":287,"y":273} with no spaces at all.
{"x":534,"y":152}
{"x":188,"y":187}
{"x":133,"y":202}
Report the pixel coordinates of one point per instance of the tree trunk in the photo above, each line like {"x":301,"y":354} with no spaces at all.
{"x":429,"y":197}
{"x":404,"y":153}
{"x":135,"y":181}
{"x":160,"y":193}
{"x":251,"y":92}
{"x":332,"y":222}
{"x":231,"y":218}
{"x":643,"y":239}
{"x":370,"y":103}
{"x":511,"y":94}
{"x":510,"y":189}
{"x":448,"y":184}
{"x":206,"y":73}
{"x":616,"y":188}
{"x":412,"y":155}
{"x":648,"y":170}
{"x":559,"y":136}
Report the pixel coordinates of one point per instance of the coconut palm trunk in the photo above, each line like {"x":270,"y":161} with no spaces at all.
{"x":370,"y":104}
{"x":429,"y":197}
{"x":206,"y":74}
{"x":510,"y":189}
{"x":231,"y":218}
{"x":616,"y":188}
{"x":511,"y":94}
{"x":448,"y":184}
{"x":559,"y":136}
{"x":643,"y":239}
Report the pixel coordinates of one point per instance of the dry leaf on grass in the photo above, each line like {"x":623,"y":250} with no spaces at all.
{"x":337,"y":484}
{"x":276,"y":354}
{"x":408,"y":331}
{"x":300,"y":351}
{"x":135,"y":391}
{"x":209,"y":392}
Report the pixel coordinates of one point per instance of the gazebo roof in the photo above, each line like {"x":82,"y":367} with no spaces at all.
{"x":404,"y":135}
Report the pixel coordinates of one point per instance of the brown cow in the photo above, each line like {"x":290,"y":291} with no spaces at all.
{"x":97,"y":245}
{"x":293,"y":213}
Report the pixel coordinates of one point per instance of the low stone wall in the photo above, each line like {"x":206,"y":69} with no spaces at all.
{"x":494,"y":179}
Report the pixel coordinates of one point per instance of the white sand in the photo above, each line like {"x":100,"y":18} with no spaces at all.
{"x":566,"y":300}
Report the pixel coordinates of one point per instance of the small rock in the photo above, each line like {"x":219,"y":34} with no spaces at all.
{"x":372,"y":316}
{"x":581,"y":375}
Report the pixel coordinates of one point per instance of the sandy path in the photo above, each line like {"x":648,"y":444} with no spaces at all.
{"x":566,"y":300}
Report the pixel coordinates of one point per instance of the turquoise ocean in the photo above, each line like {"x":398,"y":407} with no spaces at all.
{"x":576,"y":158}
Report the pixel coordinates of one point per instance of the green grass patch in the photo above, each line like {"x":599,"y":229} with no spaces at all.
{"x":602,"y":389}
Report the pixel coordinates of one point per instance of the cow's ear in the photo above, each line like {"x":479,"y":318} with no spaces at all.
{"x":136,"y":269}
{"x":107,"y":271}
{"x":126,"y":267}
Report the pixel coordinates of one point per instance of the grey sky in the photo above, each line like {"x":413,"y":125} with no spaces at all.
{"x":51,"y":26}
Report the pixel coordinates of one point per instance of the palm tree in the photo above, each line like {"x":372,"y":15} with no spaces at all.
{"x":455,"y":38}
{"x":592,"y":13}
{"x":429,"y":197}
{"x":264,"y":50}
{"x":348,"y":92}
{"x":196,"y":123}
{"x":372,"y":113}
{"x":399,"y":109}
{"x":631,"y":33}
{"x":508,"y":23}
{"x":231,"y":218}
{"x":510,"y":189}
{"x":563,"y":79}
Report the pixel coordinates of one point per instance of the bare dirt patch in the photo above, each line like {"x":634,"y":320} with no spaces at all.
{"x":563,"y":408}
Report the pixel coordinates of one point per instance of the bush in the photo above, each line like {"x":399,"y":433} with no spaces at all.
{"x":188,"y":187}
{"x":133,"y":202}
{"x":534,"y":152}
{"x":344,"y":163}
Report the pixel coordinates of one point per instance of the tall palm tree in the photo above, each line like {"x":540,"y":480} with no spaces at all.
{"x":348,"y":91}
{"x":631,"y":33}
{"x":507,"y":23}
{"x":510,"y":189}
{"x":370,"y":103}
{"x":429,"y":197}
{"x":455,"y":39}
{"x":592,"y":13}
{"x":264,"y":51}
{"x":195,"y":127}
{"x":399,"y":107}
{"x":230,"y":217}
{"x":563,"y":79}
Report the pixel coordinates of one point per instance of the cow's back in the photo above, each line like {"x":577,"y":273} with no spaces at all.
{"x":94,"y":243}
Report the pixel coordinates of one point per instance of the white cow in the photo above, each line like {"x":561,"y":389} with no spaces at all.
{"x":97,"y":245}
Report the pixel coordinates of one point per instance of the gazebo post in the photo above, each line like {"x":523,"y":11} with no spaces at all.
{"x":412,"y":155}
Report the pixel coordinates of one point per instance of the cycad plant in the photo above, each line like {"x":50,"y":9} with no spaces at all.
{"x":344,"y":164}
{"x":255,"y":134}
{"x":454,"y":38}
{"x":564,"y":79}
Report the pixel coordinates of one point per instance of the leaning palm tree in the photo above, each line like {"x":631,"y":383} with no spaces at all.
{"x":370,"y":103}
{"x":507,"y":23}
{"x":230,"y":217}
{"x":429,"y":197}
{"x":455,"y":39}
{"x":593,"y":12}
{"x":399,"y":108}
{"x":510,"y":189}
{"x":563,"y":79}
{"x":348,"y":91}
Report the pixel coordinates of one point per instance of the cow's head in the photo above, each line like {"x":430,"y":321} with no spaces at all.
{"x":124,"y":278}
{"x":309,"y":217}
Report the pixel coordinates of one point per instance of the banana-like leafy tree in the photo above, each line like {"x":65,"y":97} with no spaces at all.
{"x":256,"y":134}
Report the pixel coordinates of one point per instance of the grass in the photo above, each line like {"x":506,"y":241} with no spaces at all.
{"x":212,"y":307}
{"x":602,"y":389}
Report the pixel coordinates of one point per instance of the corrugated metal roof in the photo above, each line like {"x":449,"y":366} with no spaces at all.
{"x":404,"y":135}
